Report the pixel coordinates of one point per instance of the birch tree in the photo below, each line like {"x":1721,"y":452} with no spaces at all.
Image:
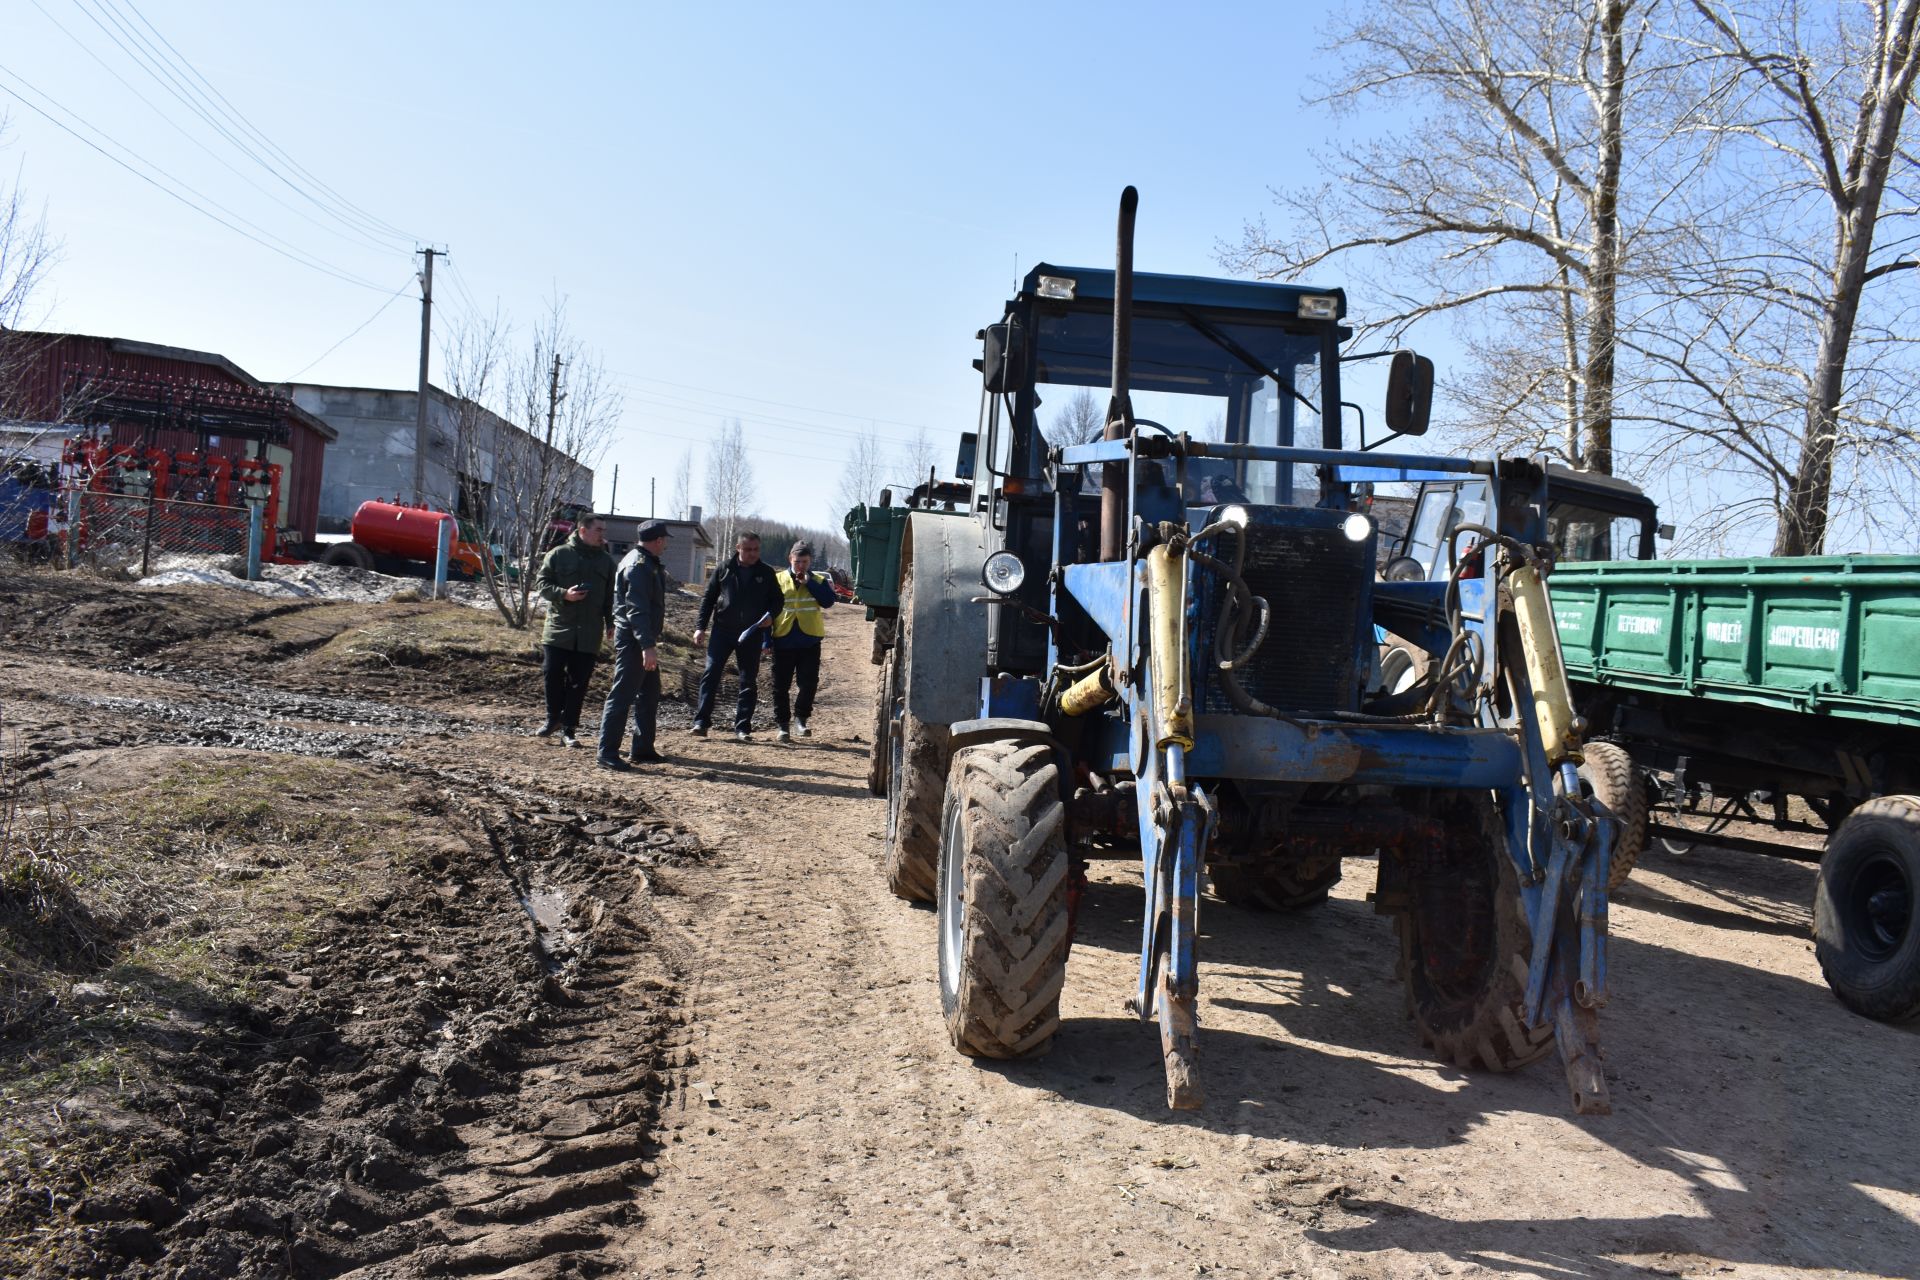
{"x":730,"y":483}
{"x":865,"y":472}
{"x":1510,"y":206}
{"x":27,"y":254}
{"x":1081,"y":420}
{"x":917,"y":458}
{"x":683,"y":486}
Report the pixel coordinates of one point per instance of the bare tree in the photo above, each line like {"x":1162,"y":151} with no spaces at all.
{"x":865,"y":473}
{"x":730,"y":487}
{"x":1082,"y":420}
{"x":27,"y":252}
{"x":917,"y":457}
{"x":522,"y":469}
{"x":1511,"y":205}
{"x":683,"y":486}
{"x":1817,"y":318}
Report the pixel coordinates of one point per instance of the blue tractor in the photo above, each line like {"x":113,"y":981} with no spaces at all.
{"x":1163,"y":640}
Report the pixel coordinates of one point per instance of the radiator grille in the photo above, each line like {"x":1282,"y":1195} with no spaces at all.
{"x":1312,"y":580}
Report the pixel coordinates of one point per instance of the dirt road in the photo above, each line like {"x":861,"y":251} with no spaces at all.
{"x":673,"y":1024}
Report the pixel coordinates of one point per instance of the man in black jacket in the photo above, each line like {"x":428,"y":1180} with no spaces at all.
{"x":639,"y":613}
{"x":740,"y":604}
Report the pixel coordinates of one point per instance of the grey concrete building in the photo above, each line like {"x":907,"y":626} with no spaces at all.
{"x":689,"y":554}
{"x":470,"y":453}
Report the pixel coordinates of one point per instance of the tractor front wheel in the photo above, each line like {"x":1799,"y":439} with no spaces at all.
{"x":1003,"y":900}
{"x":1465,"y":945}
{"x":880,"y":752}
{"x":1618,"y":785}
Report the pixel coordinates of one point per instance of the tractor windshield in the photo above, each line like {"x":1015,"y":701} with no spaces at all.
{"x":1197,"y":374}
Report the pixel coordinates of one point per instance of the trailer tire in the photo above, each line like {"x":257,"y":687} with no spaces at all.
{"x":1866,"y":910}
{"x":1272,"y":885}
{"x":350,"y":555}
{"x":916,"y":779}
{"x":882,"y":639}
{"x":880,"y":751}
{"x":1621,"y":789}
{"x":1468,"y":1001}
{"x":1003,"y":899}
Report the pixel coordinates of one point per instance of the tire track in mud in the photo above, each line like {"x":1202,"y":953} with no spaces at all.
{"x":464,"y":1081}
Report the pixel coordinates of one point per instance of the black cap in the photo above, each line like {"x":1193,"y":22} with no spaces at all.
{"x":654,"y":529}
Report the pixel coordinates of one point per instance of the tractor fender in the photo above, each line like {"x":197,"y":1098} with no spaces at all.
{"x":943,"y":556}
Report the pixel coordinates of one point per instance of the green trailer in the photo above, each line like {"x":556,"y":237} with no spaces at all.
{"x":1742,"y":686}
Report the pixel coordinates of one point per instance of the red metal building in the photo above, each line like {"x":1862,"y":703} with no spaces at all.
{"x":169,"y":398}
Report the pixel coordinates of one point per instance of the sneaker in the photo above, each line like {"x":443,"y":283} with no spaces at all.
{"x":698,"y":731}
{"x":567,"y":738}
{"x":613,"y":764}
{"x":800,"y":729}
{"x":741,"y":735}
{"x":782,"y":735}
{"x":546,"y":730}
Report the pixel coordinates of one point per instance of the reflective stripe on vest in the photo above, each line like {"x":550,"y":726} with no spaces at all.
{"x":800,"y":607}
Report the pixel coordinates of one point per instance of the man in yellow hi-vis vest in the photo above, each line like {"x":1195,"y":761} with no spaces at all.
{"x":796,"y":636}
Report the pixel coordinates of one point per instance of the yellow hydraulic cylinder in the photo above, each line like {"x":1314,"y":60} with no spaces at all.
{"x":1540,"y":642}
{"x":1167,"y":634}
{"x":1089,"y":692}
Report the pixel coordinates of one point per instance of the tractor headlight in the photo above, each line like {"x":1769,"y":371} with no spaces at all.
{"x":1003,"y":573}
{"x":1356,"y":527}
{"x":1319,"y":306}
{"x":1235,"y":516}
{"x":1057,"y":288}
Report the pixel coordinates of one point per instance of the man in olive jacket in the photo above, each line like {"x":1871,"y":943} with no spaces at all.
{"x":639,"y":615}
{"x":576,"y":581}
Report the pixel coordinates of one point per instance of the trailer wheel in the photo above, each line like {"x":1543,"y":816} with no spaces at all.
{"x":1621,"y":789}
{"x":879,"y":754}
{"x":1866,"y":910}
{"x":350,"y":555}
{"x":882,"y":639}
{"x":916,"y":778}
{"x":1272,"y":885}
{"x":1003,"y":900}
{"x":1465,"y":945}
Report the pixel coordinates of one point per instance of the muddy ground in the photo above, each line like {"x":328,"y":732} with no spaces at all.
{"x":317,"y":965}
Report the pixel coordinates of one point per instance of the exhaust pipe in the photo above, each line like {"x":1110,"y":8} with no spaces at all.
{"x":1113,"y":475}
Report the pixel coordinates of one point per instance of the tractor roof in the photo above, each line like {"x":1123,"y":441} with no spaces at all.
{"x":1185,"y":291}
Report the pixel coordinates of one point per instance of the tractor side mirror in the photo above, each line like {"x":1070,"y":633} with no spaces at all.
{"x":1003,"y":357}
{"x":1409,"y":394}
{"x":969,"y":445}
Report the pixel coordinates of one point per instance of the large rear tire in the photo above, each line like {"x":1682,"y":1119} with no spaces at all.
{"x":1465,"y":945}
{"x":1621,"y":789}
{"x":916,"y":781}
{"x":1274,"y":886}
{"x":1003,"y":900}
{"x":1866,"y":910}
{"x":879,"y":754}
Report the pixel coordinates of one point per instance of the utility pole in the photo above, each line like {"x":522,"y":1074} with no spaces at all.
{"x":420,"y":411}
{"x":653,"y":492}
{"x":613,"y":499}
{"x":553,"y":397}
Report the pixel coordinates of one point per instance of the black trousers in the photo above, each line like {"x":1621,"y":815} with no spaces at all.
{"x":635,"y":689}
{"x":721,"y":645}
{"x":567,"y":672}
{"x":789,"y":665}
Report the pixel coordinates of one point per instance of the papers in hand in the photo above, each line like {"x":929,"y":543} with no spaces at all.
{"x":765,"y":618}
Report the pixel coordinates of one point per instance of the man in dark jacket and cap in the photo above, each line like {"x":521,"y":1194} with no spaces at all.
{"x":576,"y":581}
{"x":639,"y":614}
{"x":740,"y":605}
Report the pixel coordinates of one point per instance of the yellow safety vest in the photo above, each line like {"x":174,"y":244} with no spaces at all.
{"x":800,"y":607}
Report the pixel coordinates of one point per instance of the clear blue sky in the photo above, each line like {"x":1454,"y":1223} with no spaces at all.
{"x":793,"y":215}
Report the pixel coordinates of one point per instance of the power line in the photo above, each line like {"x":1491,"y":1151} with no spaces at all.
{"x":782,"y":404}
{"x":288,"y":252}
{"x":352,"y":234}
{"x":404,"y":286}
{"x":774,"y":420}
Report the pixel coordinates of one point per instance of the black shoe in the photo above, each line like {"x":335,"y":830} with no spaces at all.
{"x":646,"y":755}
{"x":566,"y":736}
{"x":698,"y":731}
{"x":613,"y":763}
{"x":546,"y":730}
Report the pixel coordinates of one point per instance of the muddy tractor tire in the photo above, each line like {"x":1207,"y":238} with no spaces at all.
{"x":348,"y":555}
{"x":1003,"y":900}
{"x":1465,"y":945}
{"x":880,"y":752}
{"x":1272,"y":885}
{"x":1621,"y":789}
{"x":882,"y":639}
{"x":1866,"y":910}
{"x":916,"y":781}
{"x":1403,"y":664}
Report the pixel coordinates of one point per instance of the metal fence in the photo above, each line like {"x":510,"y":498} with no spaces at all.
{"x":128,"y":533}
